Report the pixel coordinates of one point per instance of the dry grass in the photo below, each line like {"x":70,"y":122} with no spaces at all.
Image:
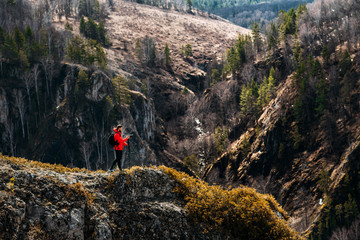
{"x":132,"y":21}
{"x":47,"y":166}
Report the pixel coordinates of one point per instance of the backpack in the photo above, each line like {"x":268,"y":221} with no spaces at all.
{"x":112,"y":141}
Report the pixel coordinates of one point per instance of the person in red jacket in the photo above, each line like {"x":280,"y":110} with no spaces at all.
{"x":120,"y":143}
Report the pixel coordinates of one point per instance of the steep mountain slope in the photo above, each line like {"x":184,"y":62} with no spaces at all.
{"x":303,"y":145}
{"x":314,"y":173}
{"x":42,"y":201}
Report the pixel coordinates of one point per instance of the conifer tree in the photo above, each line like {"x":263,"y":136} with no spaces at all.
{"x":345,"y":63}
{"x":192,"y":162}
{"x":19,"y":38}
{"x":139,"y":53}
{"x":152,"y":53}
{"x":215,"y":76}
{"x":101,"y":33}
{"x":220,"y":140}
{"x":122,"y":90}
{"x":266,"y":89}
{"x":256,"y":36}
{"x":248,"y":99}
{"x":9,"y":49}
{"x":325,"y":53}
{"x":82,"y":27}
{"x":100,"y":56}
{"x":83,"y":80}
{"x":167,"y":55}
{"x":297,"y":52}
{"x":91,"y":29}
{"x":263,"y":97}
{"x":28,"y":34}
{"x":189,"y":5}
{"x":272,"y":36}
{"x":186,"y":51}
{"x":321,"y":96}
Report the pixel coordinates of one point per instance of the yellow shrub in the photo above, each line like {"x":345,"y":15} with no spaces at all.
{"x":30,"y":163}
{"x":77,"y":189}
{"x":240,"y":212}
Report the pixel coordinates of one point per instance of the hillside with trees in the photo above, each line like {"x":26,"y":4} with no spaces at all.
{"x":300,"y":142}
{"x":70,"y":71}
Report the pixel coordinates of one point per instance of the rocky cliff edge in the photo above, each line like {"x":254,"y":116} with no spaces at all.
{"x":43,"y":201}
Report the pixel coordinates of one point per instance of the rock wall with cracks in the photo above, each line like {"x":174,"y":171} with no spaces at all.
{"x":75,"y":132}
{"x":39,"y":203}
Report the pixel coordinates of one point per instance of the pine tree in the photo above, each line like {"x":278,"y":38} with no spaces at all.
{"x":263,"y":97}
{"x":186,"y":51}
{"x":9,"y":49}
{"x":121,"y":90}
{"x":256,"y":36}
{"x":83,"y":80}
{"x":96,"y":10}
{"x":28,"y":34}
{"x":189,"y":5}
{"x":272,"y":36}
{"x":100,"y":56}
{"x":75,"y":50}
{"x":220,"y":140}
{"x":82,"y":27}
{"x":101,"y":33}
{"x":167,"y":55}
{"x":346,"y":88}
{"x":325,"y":53}
{"x":91,"y":29}
{"x":248,"y":99}
{"x":19,"y":38}
{"x":215,"y":76}
{"x":192,"y":162}
{"x":322,"y":89}
{"x":299,"y":109}
{"x":324,"y":181}
{"x":345,"y":63}
{"x":152,"y":53}
{"x":139,"y":53}
{"x":297,"y":52}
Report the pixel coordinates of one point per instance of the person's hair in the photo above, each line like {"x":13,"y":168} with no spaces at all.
{"x":118,"y":126}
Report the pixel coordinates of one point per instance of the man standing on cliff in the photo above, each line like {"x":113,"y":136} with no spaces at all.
{"x":119,"y":146}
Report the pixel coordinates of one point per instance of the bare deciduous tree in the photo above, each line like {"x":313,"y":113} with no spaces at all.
{"x":9,"y":129}
{"x":35,"y":72}
{"x":28,"y":81}
{"x":20,"y":105}
{"x":86,"y":150}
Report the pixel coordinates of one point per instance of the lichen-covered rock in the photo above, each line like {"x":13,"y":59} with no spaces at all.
{"x":44,"y":201}
{"x":40,"y":203}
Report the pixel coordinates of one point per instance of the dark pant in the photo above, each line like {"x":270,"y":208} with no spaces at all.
{"x":118,"y":159}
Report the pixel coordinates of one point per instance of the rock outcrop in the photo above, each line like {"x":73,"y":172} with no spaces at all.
{"x":42,"y":201}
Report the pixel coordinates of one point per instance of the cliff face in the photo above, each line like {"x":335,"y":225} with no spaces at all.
{"x":139,"y":204}
{"x":42,"y":201}
{"x":75,"y":132}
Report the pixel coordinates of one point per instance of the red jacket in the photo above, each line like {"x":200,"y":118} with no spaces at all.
{"x":121,"y":141}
